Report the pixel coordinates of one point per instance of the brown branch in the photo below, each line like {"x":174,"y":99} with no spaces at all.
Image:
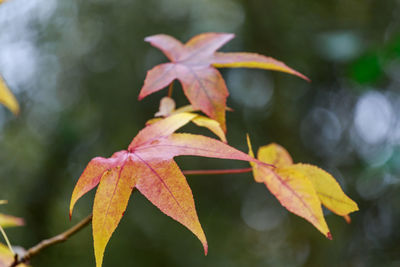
{"x":51,"y":241}
{"x":210,"y":172}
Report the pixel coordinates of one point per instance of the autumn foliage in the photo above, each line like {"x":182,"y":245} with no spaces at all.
{"x":148,"y":162}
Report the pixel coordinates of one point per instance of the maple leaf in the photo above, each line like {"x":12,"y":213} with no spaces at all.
{"x":10,"y":221}
{"x":7,"y":98}
{"x":301,"y":188}
{"x":148,"y":165}
{"x":193,"y":64}
{"x":167,"y":108}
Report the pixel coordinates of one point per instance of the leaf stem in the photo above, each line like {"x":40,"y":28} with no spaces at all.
{"x":170,"y":89}
{"x":211,"y":172}
{"x":51,"y":241}
{"x":6,"y":238}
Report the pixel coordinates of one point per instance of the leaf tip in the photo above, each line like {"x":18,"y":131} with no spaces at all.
{"x":227,"y":34}
{"x":205,"y":245}
{"x":305,"y":78}
{"x":20,"y":222}
{"x":140,"y":96}
{"x":347,"y":218}
{"x":302,"y":76}
{"x":356,"y":208}
{"x":16,"y":110}
{"x":149,"y":39}
{"x":230,"y":35}
{"x":251,"y":153}
{"x":329,"y":235}
{"x":71,"y":208}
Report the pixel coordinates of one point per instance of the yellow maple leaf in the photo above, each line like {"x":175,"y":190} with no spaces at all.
{"x":301,"y":188}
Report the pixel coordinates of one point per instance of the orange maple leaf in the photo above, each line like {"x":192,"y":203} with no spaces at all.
{"x":148,"y":165}
{"x":193,"y":64}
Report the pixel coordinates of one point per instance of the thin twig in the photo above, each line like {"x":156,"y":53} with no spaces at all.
{"x":210,"y":172}
{"x":51,"y":241}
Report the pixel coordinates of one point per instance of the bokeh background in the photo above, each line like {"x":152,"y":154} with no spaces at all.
{"x":76,"y":68}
